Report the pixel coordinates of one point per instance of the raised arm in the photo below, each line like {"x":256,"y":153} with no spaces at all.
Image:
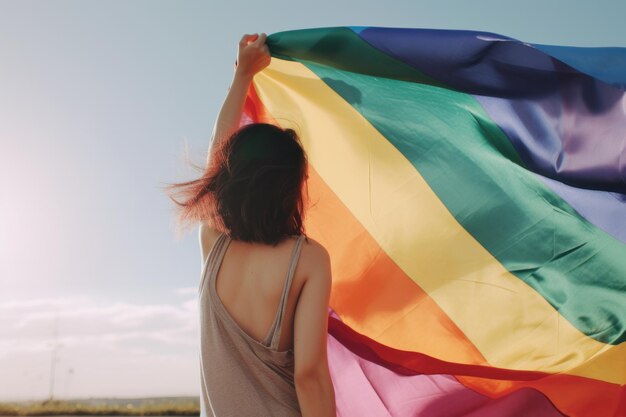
{"x":253,"y":55}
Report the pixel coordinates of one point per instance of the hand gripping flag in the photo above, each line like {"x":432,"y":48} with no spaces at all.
{"x":471,"y":191}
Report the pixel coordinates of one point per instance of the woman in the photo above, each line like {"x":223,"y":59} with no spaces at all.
{"x":265,"y":287}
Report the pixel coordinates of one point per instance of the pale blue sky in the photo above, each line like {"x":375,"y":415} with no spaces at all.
{"x":97,"y":101}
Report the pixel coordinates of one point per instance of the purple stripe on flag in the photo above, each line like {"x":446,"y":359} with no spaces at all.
{"x":567,"y":127}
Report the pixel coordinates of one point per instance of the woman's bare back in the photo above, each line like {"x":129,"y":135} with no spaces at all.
{"x":250,"y":281}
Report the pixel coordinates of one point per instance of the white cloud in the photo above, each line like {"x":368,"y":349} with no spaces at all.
{"x":111,"y":349}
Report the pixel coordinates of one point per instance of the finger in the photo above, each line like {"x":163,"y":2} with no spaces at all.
{"x":245,"y":40}
{"x":261,"y":39}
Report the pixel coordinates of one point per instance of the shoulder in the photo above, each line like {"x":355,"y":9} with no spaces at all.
{"x":207,"y":237}
{"x":314,"y":249}
{"x":314,"y":258}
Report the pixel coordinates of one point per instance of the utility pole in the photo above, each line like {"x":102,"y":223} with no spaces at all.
{"x":53,"y":362}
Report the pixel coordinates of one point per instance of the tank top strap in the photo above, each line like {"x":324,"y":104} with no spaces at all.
{"x":212,"y":260}
{"x":221,"y":244}
{"x":275,"y":331}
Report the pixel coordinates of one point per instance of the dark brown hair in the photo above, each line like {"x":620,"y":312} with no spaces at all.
{"x":253,"y":188}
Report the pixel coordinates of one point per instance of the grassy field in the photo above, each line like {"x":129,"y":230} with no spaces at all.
{"x":167,"y":406}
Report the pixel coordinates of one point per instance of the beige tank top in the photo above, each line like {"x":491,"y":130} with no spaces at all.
{"x":240,"y":376}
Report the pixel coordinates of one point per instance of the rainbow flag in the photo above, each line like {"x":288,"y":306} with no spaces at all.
{"x":471,"y":190}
